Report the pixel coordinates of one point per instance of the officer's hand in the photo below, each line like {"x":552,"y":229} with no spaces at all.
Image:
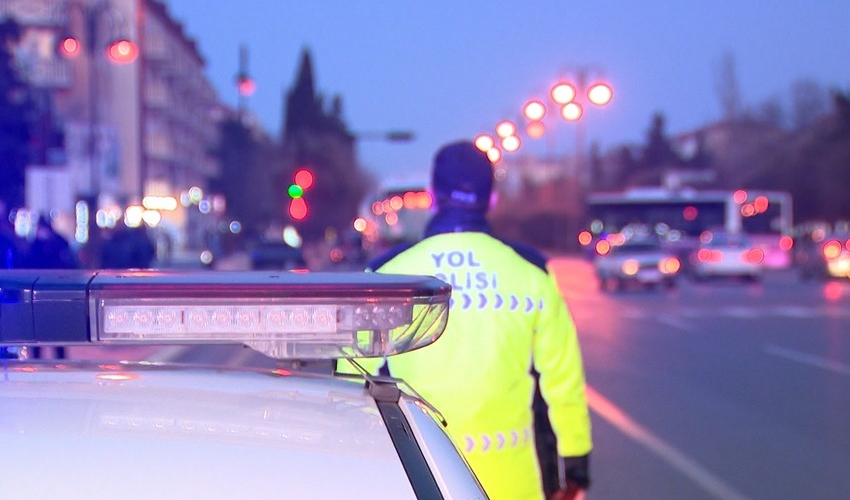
{"x":577,"y":476}
{"x":570,"y":492}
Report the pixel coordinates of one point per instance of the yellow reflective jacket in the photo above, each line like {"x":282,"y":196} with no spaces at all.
{"x":506,"y":315}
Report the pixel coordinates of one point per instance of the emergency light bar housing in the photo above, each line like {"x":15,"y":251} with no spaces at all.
{"x":283,"y":315}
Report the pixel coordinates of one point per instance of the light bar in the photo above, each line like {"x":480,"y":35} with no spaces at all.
{"x":283,"y":315}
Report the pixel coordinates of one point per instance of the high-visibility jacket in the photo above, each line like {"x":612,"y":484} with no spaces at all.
{"x":506,"y":316}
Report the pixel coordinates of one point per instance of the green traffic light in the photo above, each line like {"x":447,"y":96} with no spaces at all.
{"x":295,"y":191}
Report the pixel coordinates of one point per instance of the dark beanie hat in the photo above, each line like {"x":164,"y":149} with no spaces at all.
{"x":462,"y":177}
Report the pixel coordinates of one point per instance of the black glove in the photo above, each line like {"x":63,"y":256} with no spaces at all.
{"x":576,"y":470}
{"x":575,"y":477}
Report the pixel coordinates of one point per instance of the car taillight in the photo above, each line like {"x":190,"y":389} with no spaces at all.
{"x":754,"y":256}
{"x":708,"y":255}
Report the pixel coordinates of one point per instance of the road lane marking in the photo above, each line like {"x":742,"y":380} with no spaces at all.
{"x":807,"y":359}
{"x":673,"y":457}
{"x":675,"y":322}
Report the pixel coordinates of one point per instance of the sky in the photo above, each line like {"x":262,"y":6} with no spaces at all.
{"x":451,"y":69}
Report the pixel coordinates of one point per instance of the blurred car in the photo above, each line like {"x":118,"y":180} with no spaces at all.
{"x":113,"y":428}
{"x":641,"y":263}
{"x":823,"y":256}
{"x":276,"y":256}
{"x":731,"y":255}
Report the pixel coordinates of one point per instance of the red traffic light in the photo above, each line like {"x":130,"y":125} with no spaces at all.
{"x":245,"y":85}
{"x":304,"y":178}
{"x":298,"y":209}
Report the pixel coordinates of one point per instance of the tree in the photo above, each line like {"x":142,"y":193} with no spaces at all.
{"x":813,"y":165}
{"x":809,"y":102}
{"x":826,"y":164}
{"x":726,"y":84}
{"x":770,"y":112}
{"x":17,"y":113}
{"x":243,"y":181}
{"x":317,"y":138}
{"x":658,"y":151}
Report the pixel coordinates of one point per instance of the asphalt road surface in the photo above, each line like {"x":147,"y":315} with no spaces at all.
{"x":716,"y":390}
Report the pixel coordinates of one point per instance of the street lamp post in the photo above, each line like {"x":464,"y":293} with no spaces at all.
{"x":119,"y":50}
{"x":572,"y":98}
{"x":390,"y":136}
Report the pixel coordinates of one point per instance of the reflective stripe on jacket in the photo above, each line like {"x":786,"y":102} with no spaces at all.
{"x":506,"y":314}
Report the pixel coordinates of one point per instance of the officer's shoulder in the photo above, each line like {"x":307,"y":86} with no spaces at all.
{"x":528,"y":253}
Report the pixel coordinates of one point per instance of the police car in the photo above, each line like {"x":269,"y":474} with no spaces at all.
{"x":111,"y":428}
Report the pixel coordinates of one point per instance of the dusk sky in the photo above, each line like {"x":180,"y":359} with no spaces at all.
{"x":451,"y":69}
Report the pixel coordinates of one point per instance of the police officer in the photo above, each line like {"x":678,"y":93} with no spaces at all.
{"x":507,"y":324}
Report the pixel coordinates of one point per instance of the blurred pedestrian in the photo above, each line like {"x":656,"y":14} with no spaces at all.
{"x":128,"y":248}
{"x":508,"y":325}
{"x":49,"y":249}
{"x":12,"y":246}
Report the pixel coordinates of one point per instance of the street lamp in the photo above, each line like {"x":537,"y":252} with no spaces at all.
{"x":569,"y":97}
{"x":117,"y":50}
{"x":572,"y":97}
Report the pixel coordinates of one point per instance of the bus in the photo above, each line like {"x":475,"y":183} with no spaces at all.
{"x":680,"y":216}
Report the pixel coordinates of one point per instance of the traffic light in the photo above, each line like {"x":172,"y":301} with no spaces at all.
{"x":303,"y":180}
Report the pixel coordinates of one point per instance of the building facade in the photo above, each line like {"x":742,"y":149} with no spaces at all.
{"x":136,"y":120}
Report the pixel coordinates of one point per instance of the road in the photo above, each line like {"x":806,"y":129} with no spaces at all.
{"x":718,"y":390}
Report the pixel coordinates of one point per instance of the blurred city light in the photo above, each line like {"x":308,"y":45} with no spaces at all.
{"x":571,"y":111}
{"x":159,"y":203}
{"x":295,"y":191}
{"x":152,"y":217}
{"x":534,"y":110}
{"x":133,"y":215}
{"x":562,"y":93}
{"x":298,"y":209}
{"x":600,"y":94}
{"x":123,"y":52}
{"x":69,"y":47}
{"x":535,"y":129}
{"x":304,"y":178}
{"x":505,"y":128}
{"x":484,"y":142}
{"x":291,"y":237}
{"x":510,"y":143}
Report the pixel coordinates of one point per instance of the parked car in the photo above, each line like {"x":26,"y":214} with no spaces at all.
{"x":114,"y":428}
{"x":635,"y":263}
{"x":730,"y":255}
{"x":823,"y":256}
{"x":276,"y":256}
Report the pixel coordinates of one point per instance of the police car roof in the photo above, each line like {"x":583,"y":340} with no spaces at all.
{"x":302,"y":315}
